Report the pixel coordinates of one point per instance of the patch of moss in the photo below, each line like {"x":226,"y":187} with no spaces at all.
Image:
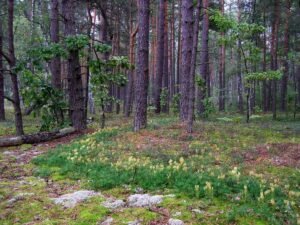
{"x":132,"y":214}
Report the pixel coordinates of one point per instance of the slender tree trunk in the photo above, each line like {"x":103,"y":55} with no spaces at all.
{"x":131,"y":72}
{"x":179,"y":49}
{"x":222,"y":69}
{"x":193,"y":69}
{"x":204,"y":57}
{"x":75,"y":87}
{"x":2,"y":109}
{"x":160,"y":55}
{"x":12,"y":64}
{"x":284,"y":80}
{"x":172,"y":52}
{"x":239,"y":67}
{"x":141,"y":85}
{"x":165,"y":83}
{"x":187,"y":42}
{"x":274,"y":43}
{"x":55,"y":64}
{"x":264,"y":87}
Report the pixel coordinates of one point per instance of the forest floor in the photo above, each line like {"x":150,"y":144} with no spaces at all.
{"x":226,"y":172}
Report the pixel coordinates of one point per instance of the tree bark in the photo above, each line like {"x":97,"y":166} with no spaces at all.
{"x":2,"y":109}
{"x":75,"y":86}
{"x":193,"y":69}
{"x":222,"y":69}
{"x":274,"y":46}
{"x":35,"y":138}
{"x":165,"y":83}
{"x":179,"y":49}
{"x":159,"y":55}
{"x":204,"y":57}
{"x":12,"y":64}
{"x":141,"y":85}
{"x":55,"y":63}
{"x":187,"y":42}
{"x":284,"y":80}
{"x":239,"y":67}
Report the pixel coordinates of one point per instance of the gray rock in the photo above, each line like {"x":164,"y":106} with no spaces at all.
{"x":136,"y":222}
{"x":113,"y":204}
{"x":144,"y":200}
{"x":108,"y":221}
{"x":70,"y":200}
{"x":197,"y":211}
{"x":19,"y":197}
{"x":175,"y":222}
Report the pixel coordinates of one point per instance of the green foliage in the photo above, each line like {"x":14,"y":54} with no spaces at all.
{"x":45,"y":100}
{"x":200,"y":82}
{"x":175,"y":103}
{"x":221,"y":23}
{"x":263,"y":76}
{"x":104,"y":74}
{"x":164,"y":95}
{"x":76,"y":42}
{"x":209,"y":107}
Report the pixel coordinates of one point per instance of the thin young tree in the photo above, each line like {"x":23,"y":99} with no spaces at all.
{"x":141,"y":82}
{"x":159,"y":55}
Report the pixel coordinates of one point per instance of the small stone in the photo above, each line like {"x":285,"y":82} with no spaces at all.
{"x":136,"y":222}
{"x":175,"y":222}
{"x":70,"y":200}
{"x":108,"y":221}
{"x":198,"y":211}
{"x":113,"y":204}
{"x":177,"y":214}
{"x":144,"y":200}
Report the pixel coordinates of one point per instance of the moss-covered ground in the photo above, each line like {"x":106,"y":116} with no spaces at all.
{"x":226,"y":172}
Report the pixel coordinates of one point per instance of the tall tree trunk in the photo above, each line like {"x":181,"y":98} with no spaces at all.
{"x":187,"y":43}
{"x":179,"y":49}
{"x":222,"y":68}
{"x":2,"y":109}
{"x":55,"y":64}
{"x":193,"y":69}
{"x":75,"y":87}
{"x":204,"y":57}
{"x":165,"y":83}
{"x":172,"y":52}
{"x":12,"y":64}
{"x":131,"y":72}
{"x":239,"y":67}
{"x":274,"y":46}
{"x":264,"y":86}
{"x":159,"y":55}
{"x":141,"y":85}
{"x":284,"y":81}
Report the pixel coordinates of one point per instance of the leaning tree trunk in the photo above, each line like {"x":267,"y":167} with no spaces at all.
{"x":204,"y":57}
{"x":2,"y":109}
{"x":187,"y":42}
{"x":75,"y":86}
{"x":141,"y":85}
{"x":13,"y":75}
{"x":193,"y":68}
{"x":284,"y":81}
{"x":159,"y":56}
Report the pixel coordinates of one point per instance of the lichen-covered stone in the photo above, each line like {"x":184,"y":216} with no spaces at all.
{"x":144,"y":200}
{"x":175,"y":222}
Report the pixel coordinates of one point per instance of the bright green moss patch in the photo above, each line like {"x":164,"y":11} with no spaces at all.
{"x":133,"y":214}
